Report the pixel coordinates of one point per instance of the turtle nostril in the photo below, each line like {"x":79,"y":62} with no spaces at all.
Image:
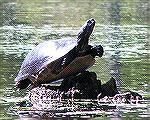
{"x":91,"y":22}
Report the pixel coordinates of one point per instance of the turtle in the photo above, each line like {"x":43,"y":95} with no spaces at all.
{"x":57,"y":59}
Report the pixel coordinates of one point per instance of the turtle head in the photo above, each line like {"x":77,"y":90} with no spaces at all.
{"x":86,"y":29}
{"x":85,"y":33}
{"x":97,"y":50}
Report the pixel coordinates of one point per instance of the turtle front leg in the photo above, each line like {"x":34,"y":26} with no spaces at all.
{"x":94,"y":51}
{"x":97,"y":50}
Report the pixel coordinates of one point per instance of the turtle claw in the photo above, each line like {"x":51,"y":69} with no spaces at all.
{"x":30,"y":87}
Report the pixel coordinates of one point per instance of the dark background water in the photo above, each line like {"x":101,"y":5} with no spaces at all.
{"x":122,"y":28}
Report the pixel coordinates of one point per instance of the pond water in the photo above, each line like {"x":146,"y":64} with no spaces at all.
{"x":122,"y":28}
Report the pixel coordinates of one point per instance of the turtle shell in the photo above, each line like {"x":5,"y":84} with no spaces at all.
{"x":55,"y":59}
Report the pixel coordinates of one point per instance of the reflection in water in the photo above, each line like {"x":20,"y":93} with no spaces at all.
{"x":114,"y":38}
{"x":122,"y":28}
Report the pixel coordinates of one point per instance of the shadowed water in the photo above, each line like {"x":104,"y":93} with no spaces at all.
{"x":122,"y":28}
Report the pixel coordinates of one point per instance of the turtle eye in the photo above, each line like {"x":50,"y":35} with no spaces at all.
{"x":89,"y":22}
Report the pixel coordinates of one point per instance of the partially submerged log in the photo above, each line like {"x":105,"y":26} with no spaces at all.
{"x":89,"y":86}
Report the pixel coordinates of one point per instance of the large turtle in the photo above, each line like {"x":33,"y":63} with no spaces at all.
{"x":57,"y":59}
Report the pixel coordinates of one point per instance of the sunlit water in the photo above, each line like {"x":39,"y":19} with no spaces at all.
{"x":122,"y":28}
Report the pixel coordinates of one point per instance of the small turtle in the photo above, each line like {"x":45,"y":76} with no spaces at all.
{"x":57,"y":59}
